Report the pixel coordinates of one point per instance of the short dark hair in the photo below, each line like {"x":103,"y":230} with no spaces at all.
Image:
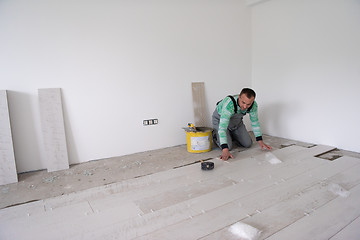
{"x":249,"y":93}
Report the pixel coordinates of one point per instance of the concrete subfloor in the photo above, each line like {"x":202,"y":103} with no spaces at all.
{"x":37,"y":185}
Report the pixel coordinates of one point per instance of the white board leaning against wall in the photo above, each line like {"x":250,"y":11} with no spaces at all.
{"x":8,"y":172}
{"x":53,"y":129}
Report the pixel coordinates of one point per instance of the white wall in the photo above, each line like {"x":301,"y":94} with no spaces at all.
{"x":306,"y":69}
{"x":118,"y":62}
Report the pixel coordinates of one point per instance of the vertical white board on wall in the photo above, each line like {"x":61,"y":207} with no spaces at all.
{"x":199,"y":104}
{"x":53,"y":129}
{"x":8,"y":172}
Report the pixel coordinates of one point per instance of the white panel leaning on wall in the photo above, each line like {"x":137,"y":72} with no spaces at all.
{"x":53,"y":129}
{"x":8,"y":172}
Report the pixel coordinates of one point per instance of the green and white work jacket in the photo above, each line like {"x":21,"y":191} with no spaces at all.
{"x":226,"y":110}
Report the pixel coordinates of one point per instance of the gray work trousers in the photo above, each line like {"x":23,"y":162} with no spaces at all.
{"x":236,"y":131}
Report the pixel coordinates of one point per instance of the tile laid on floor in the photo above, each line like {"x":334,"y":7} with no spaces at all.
{"x":163,"y":204}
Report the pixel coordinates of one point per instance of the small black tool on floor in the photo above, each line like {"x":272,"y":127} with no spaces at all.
{"x":207,"y":165}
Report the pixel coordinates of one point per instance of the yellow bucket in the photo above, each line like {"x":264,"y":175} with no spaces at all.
{"x":199,"y":141}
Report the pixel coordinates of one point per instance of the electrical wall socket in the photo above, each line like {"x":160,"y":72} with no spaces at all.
{"x":148,"y":122}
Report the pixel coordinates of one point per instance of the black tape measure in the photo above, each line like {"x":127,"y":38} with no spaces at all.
{"x":207,"y":165}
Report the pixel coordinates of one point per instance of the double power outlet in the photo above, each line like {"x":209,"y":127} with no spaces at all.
{"x":150,"y":122}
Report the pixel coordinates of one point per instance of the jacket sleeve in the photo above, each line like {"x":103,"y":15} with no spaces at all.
{"x":226,"y":111}
{"x":254,"y":119}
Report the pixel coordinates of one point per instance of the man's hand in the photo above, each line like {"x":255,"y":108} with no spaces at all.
{"x":264,"y":146}
{"x":226,"y":154}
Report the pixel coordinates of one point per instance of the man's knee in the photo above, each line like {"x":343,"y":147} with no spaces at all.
{"x":230,"y":145}
{"x":247,"y":144}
